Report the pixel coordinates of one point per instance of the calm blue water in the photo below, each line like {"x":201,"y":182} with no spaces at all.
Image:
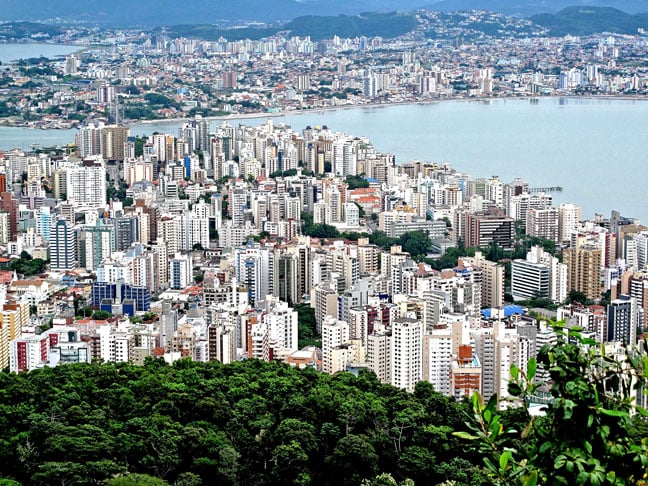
{"x":13,"y":52}
{"x":596,"y":149}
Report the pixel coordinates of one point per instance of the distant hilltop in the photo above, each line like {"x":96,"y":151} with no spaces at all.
{"x":148,"y":13}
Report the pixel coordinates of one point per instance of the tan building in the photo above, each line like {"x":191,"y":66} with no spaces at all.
{"x":368,"y":257}
{"x":334,"y":334}
{"x":304,"y":358}
{"x":492,"y":279}
{"x":13,"y":318}
{"x":584,"y":263}
{"x":379,"y":352}
{"x":112,"y":140}
{"x":324,"y":300}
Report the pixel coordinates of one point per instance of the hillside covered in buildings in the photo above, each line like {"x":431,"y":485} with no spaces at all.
{"x":309,"y":247}
{"x":243,"y":245}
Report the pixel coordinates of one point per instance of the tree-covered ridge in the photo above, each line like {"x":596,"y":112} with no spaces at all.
{"x":258,"y":423}
{"x":386,"y":25}
{"x":250,"y":423}
{"x":366,"y":24}
{"x":18,"y":30}
{"x":587,"y":20}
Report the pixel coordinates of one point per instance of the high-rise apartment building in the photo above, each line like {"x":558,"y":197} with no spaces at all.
{"x":86,"y":184}
{"x":63,"y":246}
{"x":324,"y":299}
{"x":437,"y":357}
{"x":180,"y":271}
{"x":584,"y":263}
{"x":406,"y":353}
{"x":465,"y":373}
{"x":491,"y":279}
{"x":334,"y":334}
{"x":379,"y":349}
{"x":255,"y":269}
{"x":9,"y":205}
{"x":282,"y":324}
{"x":112,"y":140}
{"x":569,"y":218}
{"x":623,"y":320}
{"x":529,"y":280}
{"x":543,"y":223}
{"x":491,"y":226}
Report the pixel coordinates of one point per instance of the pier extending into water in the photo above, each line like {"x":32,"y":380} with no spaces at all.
{"x":546,"y":189}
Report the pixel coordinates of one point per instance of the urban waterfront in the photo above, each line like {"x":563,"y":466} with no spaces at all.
{"x":594,"y":148}
{"x":14,"y":52}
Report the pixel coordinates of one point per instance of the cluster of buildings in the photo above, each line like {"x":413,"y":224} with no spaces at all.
{"x":443,"y":57}
{"x":204,"y":256}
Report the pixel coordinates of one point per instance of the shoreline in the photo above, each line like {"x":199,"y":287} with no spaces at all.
{"x":72,"y":48}
{"x":372,"y":105}
{"x":592,"y":140}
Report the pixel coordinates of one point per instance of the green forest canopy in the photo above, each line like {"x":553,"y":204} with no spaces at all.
{"x":246,"y":423}
{"x":258,"y":423}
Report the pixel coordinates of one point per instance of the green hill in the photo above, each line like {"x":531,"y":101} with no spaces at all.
{"x":591,"y":20}
{"x":21,"y":30}
{"x":214,"y":32}
{"x":366,"y":24}
{"x":258,"y":423}
{"x":246,"y":423}
{"x":317,"y":27}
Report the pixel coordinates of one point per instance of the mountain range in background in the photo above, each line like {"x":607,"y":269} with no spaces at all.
{"x":147,"y":13}
{"x":590,"y":20}
{"x":206,"y":19}
{"x":526,"y":8}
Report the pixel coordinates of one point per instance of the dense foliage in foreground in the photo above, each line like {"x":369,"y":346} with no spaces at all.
{"x":249,"y":423}
{"x":256,"y":423}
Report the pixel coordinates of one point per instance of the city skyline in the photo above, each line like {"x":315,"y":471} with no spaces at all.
{"x":271,"y":303}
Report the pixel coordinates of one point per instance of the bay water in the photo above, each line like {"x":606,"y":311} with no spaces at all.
{"x":13,"y":52}
{"x":595,"y":148}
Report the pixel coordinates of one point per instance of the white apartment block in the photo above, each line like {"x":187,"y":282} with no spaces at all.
{"x":334,"y":334}
{"x":406,"y":353}
{"x":437,"y":357}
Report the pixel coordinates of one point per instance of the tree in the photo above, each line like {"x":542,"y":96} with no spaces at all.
{"x":585,"y":437}
{"x":27,"y":266}
{"x":306,"y":326}
{"x":289,"y":461}
{"x":84,"y":312}
{"x":385,"y":479}
{"x":494,"y":252}
{"x":577,"y":297}
{"x":248,"y":422}
{"x":283,"y":173}
{"x":416,"y":243}
{"x":353,"y":460}
{"x":136,"y":480}
{"x":319,"y":230}
{"x":356,"y":182}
